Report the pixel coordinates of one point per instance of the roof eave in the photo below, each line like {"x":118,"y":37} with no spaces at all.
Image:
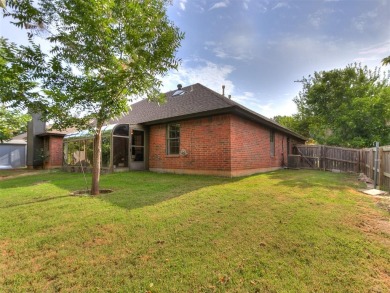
{"x":51,"y":134}
{"x":189,"y":116}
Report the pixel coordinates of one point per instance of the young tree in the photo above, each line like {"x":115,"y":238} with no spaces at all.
{"x":100,"y":53}
{"x":346,"y":107}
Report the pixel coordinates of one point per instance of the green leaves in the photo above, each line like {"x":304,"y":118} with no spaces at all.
{"x":346,"y":107}
{"x":12,"y":122}
{"x":101,"y":54}
{"x":18,"y":75}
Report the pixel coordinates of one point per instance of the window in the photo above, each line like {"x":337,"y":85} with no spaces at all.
{"x":272,"y":143}
{"x":173,"y":139}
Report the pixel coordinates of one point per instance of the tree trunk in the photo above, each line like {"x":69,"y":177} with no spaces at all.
{"x":97,"y":154}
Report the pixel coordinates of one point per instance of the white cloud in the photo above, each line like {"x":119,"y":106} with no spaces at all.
{"x":244,"y":98}
{"x":271,"y":109}
{"x":268,"y":108}
{"x":214,"y":75}
{"x":281,"y":5}
{"x":319,"y":17}
{"x":364,"y":20}
{"x":374,"y":53}
{"x":236,"y":46}
{"x":262,"y":8}
{"x":221,"y":4}
{"x":249,"y":94}
{"x":245,"y":4}
{"x":182,"y":4}
{"x":205,"y":72}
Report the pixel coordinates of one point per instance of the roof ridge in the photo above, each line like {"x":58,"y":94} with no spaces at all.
{"x":222,"y":97}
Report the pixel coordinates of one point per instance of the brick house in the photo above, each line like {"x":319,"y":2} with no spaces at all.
{"x":197,"y":131}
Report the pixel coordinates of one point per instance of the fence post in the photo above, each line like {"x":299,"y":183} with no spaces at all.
{"x":371,"y":165}
{"x":359,"y":161}
{"x":381,"y":170}
{"x":376,"y":164}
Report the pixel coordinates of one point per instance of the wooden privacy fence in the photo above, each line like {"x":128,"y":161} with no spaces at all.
{"x":367,"y":165}
{"x":329,"y":158}
{"x":344,"y":160}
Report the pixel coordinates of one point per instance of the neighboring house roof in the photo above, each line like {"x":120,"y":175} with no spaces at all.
{"x":14,"y":141}
{"x":22,"y":138}
{"x":55,"y":132}
{"x":197,"y":101}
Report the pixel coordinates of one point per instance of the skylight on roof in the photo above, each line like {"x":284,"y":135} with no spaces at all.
{"x":178,"y":93}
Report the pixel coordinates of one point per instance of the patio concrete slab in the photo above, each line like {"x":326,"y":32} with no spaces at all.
{"x":374,"y":192}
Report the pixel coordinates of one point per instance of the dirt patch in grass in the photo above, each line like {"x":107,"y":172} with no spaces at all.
{"x":41,"y":182}
{"x":88,"y":192}
{"x":373,"y":223}
{"x":383,"y":203}
{"x":9,"y":174}
{"x":377,"y":228}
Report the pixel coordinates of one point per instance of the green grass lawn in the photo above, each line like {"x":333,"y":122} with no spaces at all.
{"x":284,"y":231}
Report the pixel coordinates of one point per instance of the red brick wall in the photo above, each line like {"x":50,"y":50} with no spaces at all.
{"x":206,"y":141}
{"x":221,"y":145}
{"x":251,"y":147}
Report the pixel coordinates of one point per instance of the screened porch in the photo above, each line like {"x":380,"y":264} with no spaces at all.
{"x":123,"y":148}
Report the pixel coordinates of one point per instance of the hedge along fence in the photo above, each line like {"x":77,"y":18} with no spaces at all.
{"x":344,"y":160}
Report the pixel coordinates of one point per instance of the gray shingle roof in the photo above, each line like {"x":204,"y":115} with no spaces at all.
{"x":197,"y":101}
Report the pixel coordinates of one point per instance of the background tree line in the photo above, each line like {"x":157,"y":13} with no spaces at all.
{"x":345,"y":107}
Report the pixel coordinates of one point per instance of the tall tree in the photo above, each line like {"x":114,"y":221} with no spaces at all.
{"x":346,"y":107}
{"x":100,"y":53}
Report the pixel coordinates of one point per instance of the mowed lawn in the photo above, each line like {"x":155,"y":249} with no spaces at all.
{"x":284,"y":231}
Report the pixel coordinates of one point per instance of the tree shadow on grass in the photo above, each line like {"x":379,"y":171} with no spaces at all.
{"x":36,"y":177}
{"x":131,"y":190}
{"x":140,"y":189}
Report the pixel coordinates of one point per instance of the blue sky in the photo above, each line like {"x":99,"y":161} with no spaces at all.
{"x":258,"y":48}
